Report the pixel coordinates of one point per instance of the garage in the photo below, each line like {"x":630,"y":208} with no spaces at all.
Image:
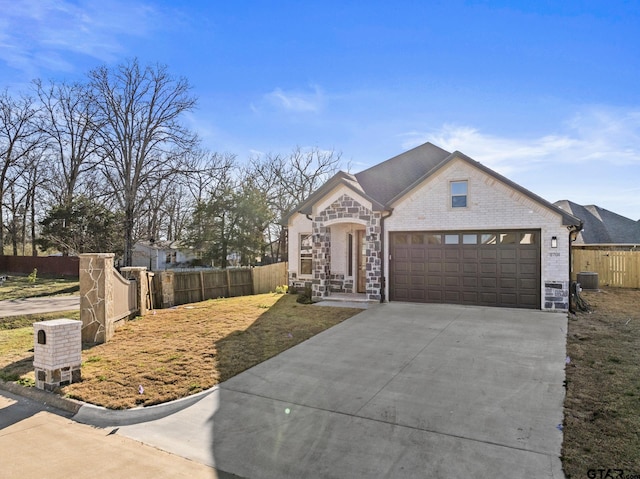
{"x":485,"y":268}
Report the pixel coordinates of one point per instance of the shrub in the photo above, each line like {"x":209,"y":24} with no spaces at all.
{"x":33,"y":276}
{"x":305,"y":296}
{"x":282,"y":289}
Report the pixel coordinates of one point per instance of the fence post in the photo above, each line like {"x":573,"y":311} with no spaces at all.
{"x":202,"y":298}
{"x":254,"y":287}
{"x":228,"y":283}
{"x":167,"y":285}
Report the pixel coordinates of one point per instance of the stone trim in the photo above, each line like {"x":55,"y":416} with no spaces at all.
{"x":556,"y":295}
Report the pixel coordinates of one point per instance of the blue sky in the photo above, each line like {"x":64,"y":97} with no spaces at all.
{"x":545,"y":92}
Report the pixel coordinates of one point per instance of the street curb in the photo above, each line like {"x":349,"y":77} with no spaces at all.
{"x":99,"y":416}
{"x":102,"y":417}
{"x":45,"y":397}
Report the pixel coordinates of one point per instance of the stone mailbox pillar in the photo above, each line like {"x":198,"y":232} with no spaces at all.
{"x":57,"y":352}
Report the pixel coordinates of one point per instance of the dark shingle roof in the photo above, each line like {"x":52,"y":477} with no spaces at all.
{"x":388,"y":179}
{"x":386,"y":182}
{"x":602,"y":226}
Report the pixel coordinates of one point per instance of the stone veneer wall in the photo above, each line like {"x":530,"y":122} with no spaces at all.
{"x":97,"y":275}
{"x":323,"y":281}
{"x":96,"y":297}
{"x":556,"y":295}
{"x":297,"y":283}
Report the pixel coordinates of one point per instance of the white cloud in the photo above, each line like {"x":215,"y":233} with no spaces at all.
{"x":297,"y":101}
{"x":595,"y":135}
{"x":38,"y":34}
{"x":593,"y":158}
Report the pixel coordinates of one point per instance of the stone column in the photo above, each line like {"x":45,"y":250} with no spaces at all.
{"x":321,"y":261}
{"x":166,"y":289}
{"x":96,"y":296}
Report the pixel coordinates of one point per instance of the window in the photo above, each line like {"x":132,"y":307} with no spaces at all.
{"x":417,"y":239}
{"x":459,"y":194}
{"x":508,"y":238}
{"x":400,"y":239}
{"x":451,"y":239}
{"x":527,"y":238}
{"x":306,"y":254}
{"x":469,"y":239}
{"x":350,"y":254}
{"x":434,"y":239}
{"x":488,"y":238}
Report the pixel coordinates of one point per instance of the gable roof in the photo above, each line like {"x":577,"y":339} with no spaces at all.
{"x":386,"y":182}
{"x":602,"y":226}
{"x":390,"y":178}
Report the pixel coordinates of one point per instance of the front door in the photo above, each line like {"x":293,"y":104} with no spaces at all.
{"x":362,"y":262}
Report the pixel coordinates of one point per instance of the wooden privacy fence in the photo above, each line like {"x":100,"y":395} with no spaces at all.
{"x":180,"y":287}
{"x":125,"y":298}
{"x":615,"y":268}
{"x":268,"y":278}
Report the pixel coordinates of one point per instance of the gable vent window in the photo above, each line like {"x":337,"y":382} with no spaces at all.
{"x":459,"y":194}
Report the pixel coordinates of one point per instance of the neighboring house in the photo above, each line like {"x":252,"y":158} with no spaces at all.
{"x":603,"y":227}
{"x":431,"y":226}
{"x":161,"y":255}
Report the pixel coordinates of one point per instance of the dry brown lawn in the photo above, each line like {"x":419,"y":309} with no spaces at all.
{"x":602,"y":405}
{"x":174,"y":353}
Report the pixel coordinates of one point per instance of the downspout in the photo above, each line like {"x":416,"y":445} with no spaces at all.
{"x":573,"y":235}
{"x":383,"y":281}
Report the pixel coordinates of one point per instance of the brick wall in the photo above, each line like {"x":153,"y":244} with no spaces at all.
{"x":491,"y":204}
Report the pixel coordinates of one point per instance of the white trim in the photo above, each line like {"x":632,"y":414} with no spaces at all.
{"x":345,"y":220}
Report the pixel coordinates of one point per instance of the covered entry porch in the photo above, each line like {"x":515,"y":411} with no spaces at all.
{"x":346,"y":251}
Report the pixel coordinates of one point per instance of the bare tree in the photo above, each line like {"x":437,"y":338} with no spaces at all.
{"x":69,"y":122}
{"x":287,"y":180}
{"x":142,"y":139}
{"x":19,"y":137}
{"x":211,"y":171}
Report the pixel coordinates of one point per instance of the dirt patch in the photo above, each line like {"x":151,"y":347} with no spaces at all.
{"x":177,"y":352}
{"x":602,"y":406}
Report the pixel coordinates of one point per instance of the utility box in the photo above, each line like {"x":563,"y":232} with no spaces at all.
{"x":57,"y":352}
{"x":588,"y":280}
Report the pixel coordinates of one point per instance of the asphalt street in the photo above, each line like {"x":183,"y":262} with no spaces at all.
{"x":49,"y":304}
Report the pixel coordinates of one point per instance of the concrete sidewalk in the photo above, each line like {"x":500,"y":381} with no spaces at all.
{"x":37,"y":441}
{"x":400,"y":390}
{"x":48,"y":304}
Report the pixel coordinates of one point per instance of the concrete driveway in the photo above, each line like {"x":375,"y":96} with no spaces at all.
{"x":400,"y":390}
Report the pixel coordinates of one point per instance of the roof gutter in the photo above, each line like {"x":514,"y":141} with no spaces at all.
{"x":573,"y":234}
{"x":383,"y":281}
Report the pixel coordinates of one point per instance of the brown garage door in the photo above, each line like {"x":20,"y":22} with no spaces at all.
{"x":487,"y":268}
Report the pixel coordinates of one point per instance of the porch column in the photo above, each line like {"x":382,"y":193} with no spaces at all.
{"x":374,"y":258}
{"x":321,"y":261}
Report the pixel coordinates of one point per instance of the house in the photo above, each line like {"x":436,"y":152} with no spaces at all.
{"x":603,"y":227}
{"x":161,"y":255}
{"x":431,"y":226}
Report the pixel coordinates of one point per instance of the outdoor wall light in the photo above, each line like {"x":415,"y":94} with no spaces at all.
{"x":554,"y":241}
